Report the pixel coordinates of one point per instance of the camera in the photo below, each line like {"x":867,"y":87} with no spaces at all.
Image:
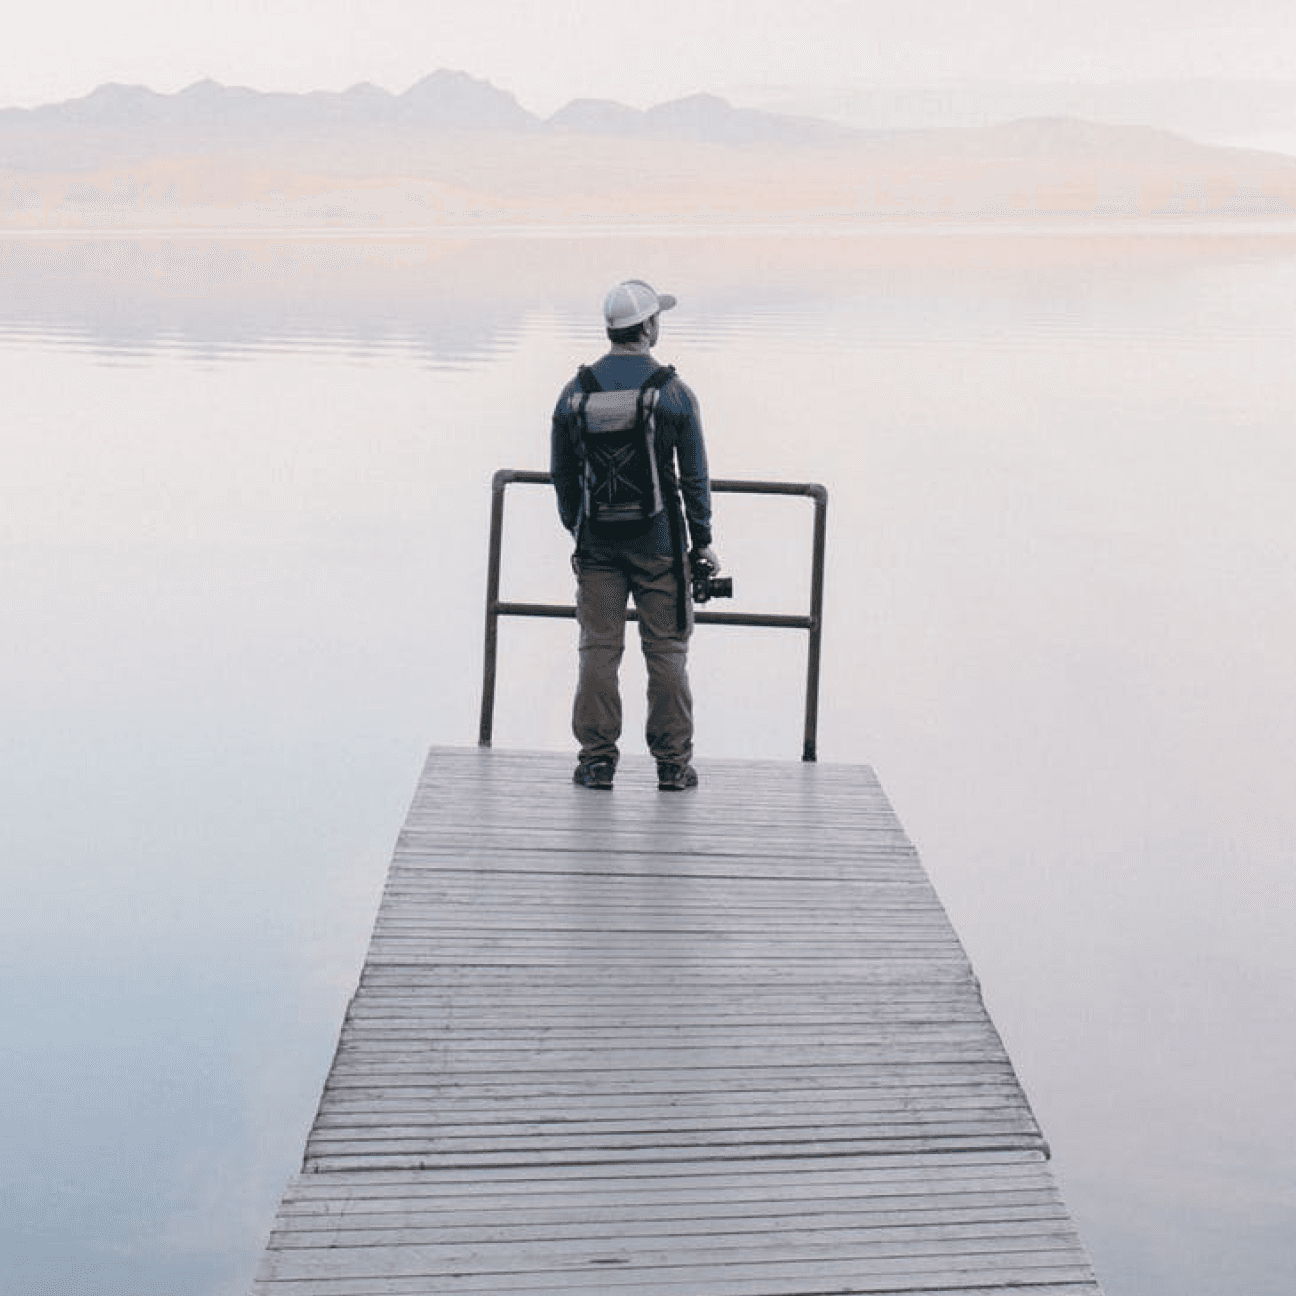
{"x":705,"y":585}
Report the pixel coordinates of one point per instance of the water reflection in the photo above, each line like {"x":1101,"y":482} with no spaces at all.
{"x":460,"y":302}
{"x":244,"y":506}
{"x":227,"y":300}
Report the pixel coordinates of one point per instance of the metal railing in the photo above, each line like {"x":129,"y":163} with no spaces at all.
{"x":812,"y":622}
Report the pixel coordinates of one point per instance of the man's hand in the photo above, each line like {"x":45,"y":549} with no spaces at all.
{"x":705,"y":555}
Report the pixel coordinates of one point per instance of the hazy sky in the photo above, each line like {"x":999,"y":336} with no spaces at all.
{"x":550,"y":51}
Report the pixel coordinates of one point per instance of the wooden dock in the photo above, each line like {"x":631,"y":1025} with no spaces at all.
{"x":722,"y":1042}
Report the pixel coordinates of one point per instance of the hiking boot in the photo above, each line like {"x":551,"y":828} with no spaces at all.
{"x":675,"y":778}
{"x":594,"y":774}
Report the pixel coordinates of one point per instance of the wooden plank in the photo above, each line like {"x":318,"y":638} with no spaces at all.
{"x":1001,"y":1170}
{"x":774,"y":1109}
{"x":723,"y":1043}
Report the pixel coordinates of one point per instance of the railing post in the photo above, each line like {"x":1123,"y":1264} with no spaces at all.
{"x":820,"y":497}
{"x":498,"y":483}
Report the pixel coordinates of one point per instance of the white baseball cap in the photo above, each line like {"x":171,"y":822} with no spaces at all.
{"x":632,"y":302}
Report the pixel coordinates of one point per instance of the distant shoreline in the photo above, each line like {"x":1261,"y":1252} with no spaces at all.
{"x":455,"y":159}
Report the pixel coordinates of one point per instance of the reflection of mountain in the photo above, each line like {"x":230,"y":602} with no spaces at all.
{"x":452,"y":150}
{"x":454,"y":302}
{"x":450,"y":305}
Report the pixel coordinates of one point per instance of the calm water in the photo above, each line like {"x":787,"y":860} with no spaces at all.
{"x":245,"y":491}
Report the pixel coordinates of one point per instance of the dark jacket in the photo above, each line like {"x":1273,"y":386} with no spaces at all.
{"x":679,"y":440}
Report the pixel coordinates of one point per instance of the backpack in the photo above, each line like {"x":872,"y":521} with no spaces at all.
{"x":615,"y":433}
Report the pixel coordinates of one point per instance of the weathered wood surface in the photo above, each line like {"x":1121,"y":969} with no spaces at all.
{"x":714,"y":1043}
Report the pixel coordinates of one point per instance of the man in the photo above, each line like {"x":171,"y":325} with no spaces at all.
{"x":629,"y":532}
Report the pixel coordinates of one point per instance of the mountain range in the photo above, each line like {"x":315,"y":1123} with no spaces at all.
{"x":208,"y":113}
{"x":455,"y":149}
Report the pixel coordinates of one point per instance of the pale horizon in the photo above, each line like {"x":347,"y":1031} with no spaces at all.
{"x":548,"y":57}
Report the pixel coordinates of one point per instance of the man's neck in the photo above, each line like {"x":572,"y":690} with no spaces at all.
{"x":639,"y":347}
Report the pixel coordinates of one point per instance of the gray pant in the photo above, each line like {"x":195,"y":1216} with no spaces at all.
{"x":605,"y":579}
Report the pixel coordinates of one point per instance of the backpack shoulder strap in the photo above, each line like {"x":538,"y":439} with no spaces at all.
{"x":587,"y":385}
{"x":650,"y":390}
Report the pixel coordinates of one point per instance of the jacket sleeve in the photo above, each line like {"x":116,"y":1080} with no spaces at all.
{"x":564,"y":464}
{"x":694,"y":479}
